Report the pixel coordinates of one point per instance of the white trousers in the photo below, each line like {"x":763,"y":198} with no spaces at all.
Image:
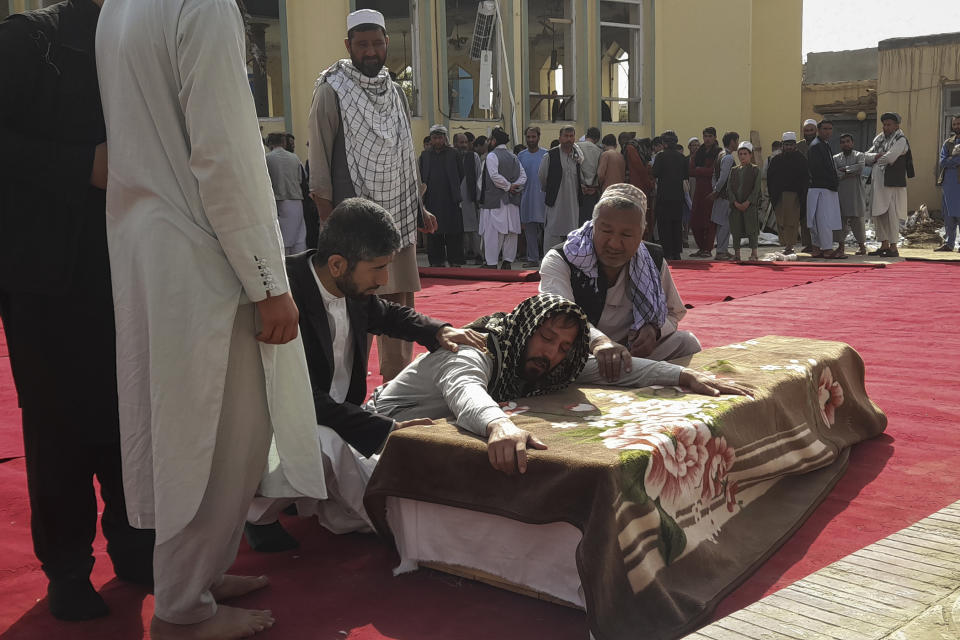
{"x":293,"y":228}
{"x":823,"y":216}
{"x":887,"y":223}
{"x":346,"y":473}
{"x":189,"y":564}
{"x":495,"y":242}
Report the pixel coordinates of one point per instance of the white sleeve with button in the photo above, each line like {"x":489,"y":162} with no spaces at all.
{"x":226,"y":151}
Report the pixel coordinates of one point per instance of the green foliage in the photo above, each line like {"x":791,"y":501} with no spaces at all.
{"x":672,"y":539}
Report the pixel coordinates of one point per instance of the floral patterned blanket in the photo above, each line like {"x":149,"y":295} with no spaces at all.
{"x":679,"y":496}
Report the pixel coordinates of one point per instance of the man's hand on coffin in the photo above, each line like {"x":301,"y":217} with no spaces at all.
{"x":706,"y":385}
{"x":612,"y":358}
{"x":449,"y":338}
{"x":415,"y":422}
{"x":278,"y":319}
{"x":642,"y":341}
{"x":507,"y":446}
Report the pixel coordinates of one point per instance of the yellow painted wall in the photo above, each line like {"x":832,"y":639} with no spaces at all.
{"x":703,"y":69}
{"x":777,"y":69}
{"x":910,"y":82}
{"x":315,"y":33}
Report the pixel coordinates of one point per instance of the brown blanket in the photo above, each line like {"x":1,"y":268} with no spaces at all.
{"x":679,"y":496}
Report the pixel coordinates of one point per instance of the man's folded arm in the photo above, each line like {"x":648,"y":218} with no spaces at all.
{"x":397,"y":321}
{"x":365,"y":431}
{"x":462,"y":379}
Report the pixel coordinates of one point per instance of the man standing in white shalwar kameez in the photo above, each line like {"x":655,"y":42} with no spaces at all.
{"x":823,"y":202}
{"x":889,"y":157}
{"x":501,"y":189}
{"x":201,"y":304}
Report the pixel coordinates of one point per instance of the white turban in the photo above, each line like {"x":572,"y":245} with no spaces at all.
{"x":365,"y":16}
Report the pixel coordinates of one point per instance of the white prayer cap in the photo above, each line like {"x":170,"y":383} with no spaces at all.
{"x":365,"y":16}
{"x":746,"y":145}
{"x":809,"y":121}
{"x":789,"y":136}
{"x":693,"y":139}
{"x":438,"y":128}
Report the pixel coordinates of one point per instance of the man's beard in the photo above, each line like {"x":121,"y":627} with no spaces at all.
{"x":349,"y":288}
{"x":537,"y":375}
{"x":810,"y":138}
{"x":369,"y":67}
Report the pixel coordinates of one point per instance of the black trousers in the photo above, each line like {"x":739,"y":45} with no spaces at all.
{"x":670,"y":228}
{"x":445,"y":247}
{"x":62,"y":352}
{"x":587,"y":202}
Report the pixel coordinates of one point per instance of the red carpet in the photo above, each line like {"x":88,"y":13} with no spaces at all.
{"x":478,"y":273}
{"x":341,"y":587}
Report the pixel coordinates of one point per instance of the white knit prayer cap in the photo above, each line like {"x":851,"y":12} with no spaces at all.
{"x":789,"y":136}
{"x":365,"y":16}
{"x":746,"y":145}
{"x":693,"y":139}
{"x":809,"y":121}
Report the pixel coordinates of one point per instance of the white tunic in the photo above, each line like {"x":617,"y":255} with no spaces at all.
{"x":192,"y":230}
{"x":887,"y":199}
{"x":506,"y":218}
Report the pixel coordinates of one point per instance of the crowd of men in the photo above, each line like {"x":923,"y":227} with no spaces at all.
{"x":220,"y":339}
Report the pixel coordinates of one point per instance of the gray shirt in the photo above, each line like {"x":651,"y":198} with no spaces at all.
{"x":444,"y":384}
{"x":591,"y":161}
{"x":285,"y":174}
{"x":850,"y":188}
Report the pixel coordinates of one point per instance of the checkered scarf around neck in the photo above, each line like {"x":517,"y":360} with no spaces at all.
{"x":882,"y":143}
{"x":507,"y":337}
{"x":646,"y":291}
{"x":378,"y":142}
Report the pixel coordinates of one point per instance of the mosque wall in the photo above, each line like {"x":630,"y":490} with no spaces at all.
{"x":734,"y":65}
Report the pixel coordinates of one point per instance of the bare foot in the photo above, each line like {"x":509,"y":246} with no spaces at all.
{"x":236,"y":586}
{"x":228,"y":623}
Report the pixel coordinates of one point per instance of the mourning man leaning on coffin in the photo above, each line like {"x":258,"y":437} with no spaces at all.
{"x":538,"y":348}
{"x":333,"y":287}
{"x":622,"y":283}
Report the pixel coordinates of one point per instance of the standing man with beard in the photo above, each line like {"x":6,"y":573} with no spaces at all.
{"x":701,"y":168}
{"x":892,"y":165}
{"x":670,"y":168}
{"x":787,"y":181}
{"x":532,"y":206}
{"x":469,"y":198}
{"x":367,"y":150}
{"x":809,"y":135}
{"x":441,"y":172}
{"x":823,"y":202}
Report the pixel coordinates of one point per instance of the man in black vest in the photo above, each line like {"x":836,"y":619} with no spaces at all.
{"x":53,"y":252}
{"x":622,"y":283}
{"x":892,"y":164}
{"x":560,"y":180}
{"x":441,"y":171}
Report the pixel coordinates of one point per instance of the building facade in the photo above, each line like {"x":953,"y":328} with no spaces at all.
{"x":622,"y":65}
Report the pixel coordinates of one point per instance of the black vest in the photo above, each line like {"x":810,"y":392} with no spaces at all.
{"x":555,"y":177}
{"x":593,"y":300}
{"x":896,"y":174}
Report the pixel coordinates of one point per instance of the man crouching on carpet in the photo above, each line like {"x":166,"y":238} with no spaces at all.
{"x":333,"y":287}
{"x":538,"y":348}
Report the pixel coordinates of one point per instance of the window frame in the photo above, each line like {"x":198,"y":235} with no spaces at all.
{"x":640,"y":55}
{"x":569,"y":73}
{"x":498,"y":67}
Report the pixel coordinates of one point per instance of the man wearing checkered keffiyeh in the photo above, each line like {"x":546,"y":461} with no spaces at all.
{"x":361,"y":146}
{"x":538,"y":348}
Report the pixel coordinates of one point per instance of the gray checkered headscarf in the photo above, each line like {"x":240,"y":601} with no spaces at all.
{"x":379,"y":143}
{"x":645,"y":289}
{"x":508,"y":334}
